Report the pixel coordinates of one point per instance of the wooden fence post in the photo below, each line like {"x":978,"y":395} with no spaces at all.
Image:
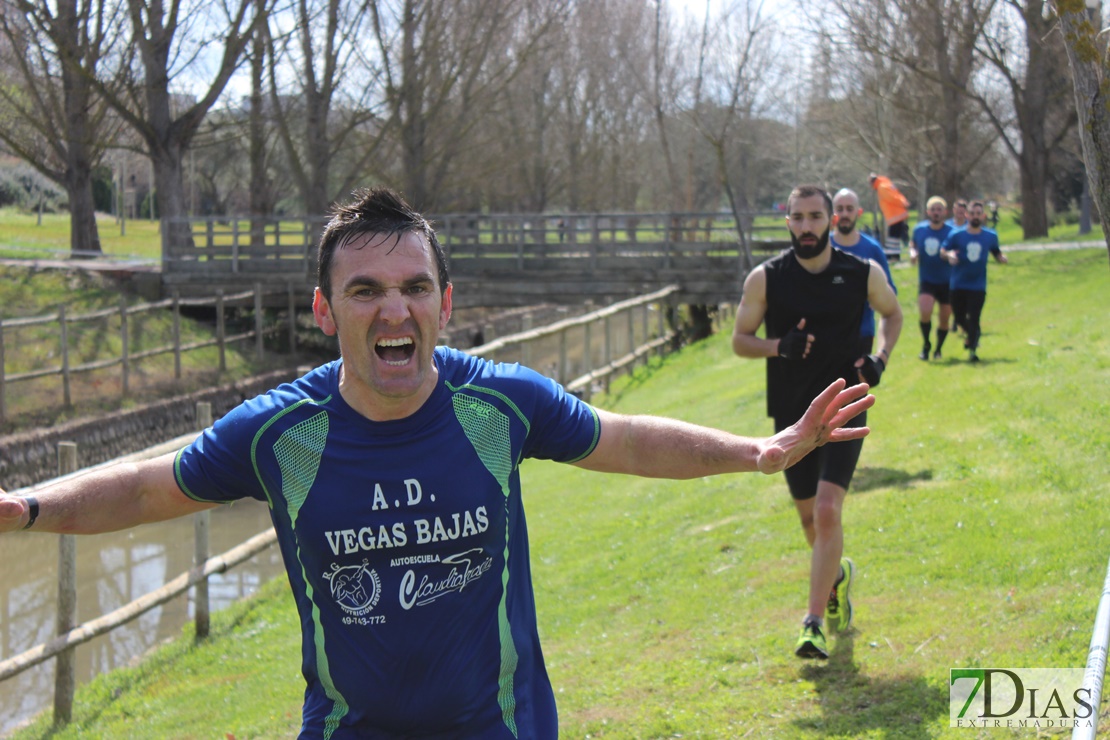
{"x":176,"y":334}
{"x":3,"y":389}
{"x":587,"y":350}
{"x":631,"y":314}
{"x":595,"y":242}
{"x":221,"y":329}
{"x":201,"y":524}
{"x":667,"y":244}
{"x":663,"y":328}
{"x":258,"y":335}
{"x":65,"y":677}
{"x":235,"y":245}
{"x":292,"y":318}
{"x":526,"y":347}
{"x":65,"y":357}
{"x":562,"y":357}
{"x":519,"y":243}
{"x":608,"y":348}
{"x":125,"y":359}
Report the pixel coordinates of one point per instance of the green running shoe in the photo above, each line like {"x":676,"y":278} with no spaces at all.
{"x":838,"y":612}
{"x":811,"y":643}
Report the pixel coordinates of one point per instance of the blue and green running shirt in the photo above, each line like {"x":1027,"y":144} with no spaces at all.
{"x":405,"y":543}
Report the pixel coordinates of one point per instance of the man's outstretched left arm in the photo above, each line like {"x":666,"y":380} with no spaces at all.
{"x":657,"y":447}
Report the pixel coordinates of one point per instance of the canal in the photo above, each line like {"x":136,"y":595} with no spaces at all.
{"x":112,"y":570}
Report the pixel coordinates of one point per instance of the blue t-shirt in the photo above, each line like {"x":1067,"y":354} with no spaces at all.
{"x":868,"y":249}
{"x":931,"y":267}
{"x":405,"y":544}
{"x":973,"y":251}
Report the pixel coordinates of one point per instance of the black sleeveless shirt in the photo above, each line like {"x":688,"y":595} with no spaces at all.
{"x":832,"y":304}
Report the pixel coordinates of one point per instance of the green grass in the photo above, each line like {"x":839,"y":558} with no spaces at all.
{"x":1009,"y":229}
{"x":21,"y":235}
{"x":977,"y":518}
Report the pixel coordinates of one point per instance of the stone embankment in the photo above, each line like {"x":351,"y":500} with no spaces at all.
{"x":31,"y":457}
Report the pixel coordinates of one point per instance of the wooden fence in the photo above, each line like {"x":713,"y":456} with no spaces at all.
{"x":240,"y":245}
{"x":70,"y":635}
{"x":65,"y":321}
{"x":500,"y":259}
{"x":611,"y":357}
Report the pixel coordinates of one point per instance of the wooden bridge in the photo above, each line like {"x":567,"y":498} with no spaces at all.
{"x":493,"y":260}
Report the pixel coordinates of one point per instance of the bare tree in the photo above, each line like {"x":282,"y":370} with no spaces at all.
{"x":1089,"y":59}
{"x":335,"y":84}
{"x":445,"y":63}
{"x":260,"y":204}
{"x":736,"y":67}
{"x":58,"y":124}
{"x":663,"y":69}
{"x":1030,"y":61}
{"x":173,"y":39}
{"x":923,"y":120}
{"x":526,"y":127}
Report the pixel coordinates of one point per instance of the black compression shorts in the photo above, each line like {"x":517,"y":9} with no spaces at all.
{"x":834,"y":462}
{"x":939,"y":291}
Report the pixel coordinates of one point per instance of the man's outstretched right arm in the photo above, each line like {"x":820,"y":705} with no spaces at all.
{"x":105,"y":500}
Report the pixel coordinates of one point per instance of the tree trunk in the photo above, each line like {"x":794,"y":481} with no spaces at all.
{"x":1032,"y":112}
{"x":1086,"y":56}
{"x":259,"y":201}
{"x":1034,"y":212}
{"x":700,"y":323}
{"x":413,"y":132}
{"x":317,"y":198}
{"x":172,"y":208}
{"x":84,"y":238}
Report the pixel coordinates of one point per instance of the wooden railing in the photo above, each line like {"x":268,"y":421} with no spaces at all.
{"x":123,"y":319}
{"x":501,"y":259}
{"x":612,"y":359}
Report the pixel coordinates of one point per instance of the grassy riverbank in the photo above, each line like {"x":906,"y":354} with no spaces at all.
{"x":978,"y":520}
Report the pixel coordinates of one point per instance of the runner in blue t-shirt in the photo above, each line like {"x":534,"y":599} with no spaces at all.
{"x":966,"y":250}
{"x":392,"y":477}
{"x":934,"y":273}
{"x":959,"y":214}
{"x":846,"y":212}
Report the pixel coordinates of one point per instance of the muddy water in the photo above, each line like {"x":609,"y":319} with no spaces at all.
{"x":112,"y":570}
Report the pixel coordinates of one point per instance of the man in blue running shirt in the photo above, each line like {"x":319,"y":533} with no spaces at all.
{"x":934,"y":274}
{"x":966,"y":250}
{"x":847,"y":238}
{"x":392,"y":477}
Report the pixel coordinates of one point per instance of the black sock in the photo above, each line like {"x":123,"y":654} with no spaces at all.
{"x":942,"y":334}
{"x":926,"y":329}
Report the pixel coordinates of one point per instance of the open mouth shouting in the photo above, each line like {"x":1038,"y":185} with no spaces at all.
{"x":395,"y":351}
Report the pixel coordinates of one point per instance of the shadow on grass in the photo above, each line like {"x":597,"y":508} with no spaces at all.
{"x":866,"y":479}
{"x":853,"y":704}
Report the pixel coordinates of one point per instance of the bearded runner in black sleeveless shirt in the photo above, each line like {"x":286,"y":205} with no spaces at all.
{"x":811,"y":298}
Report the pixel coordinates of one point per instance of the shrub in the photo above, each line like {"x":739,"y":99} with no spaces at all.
{"x":25,"y":187}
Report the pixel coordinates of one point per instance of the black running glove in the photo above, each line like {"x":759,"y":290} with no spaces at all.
{"x":792,"y":346}
{"x":872,"y":369}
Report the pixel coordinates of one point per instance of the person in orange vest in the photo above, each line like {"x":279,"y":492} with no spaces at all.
{"x":895,"y":208}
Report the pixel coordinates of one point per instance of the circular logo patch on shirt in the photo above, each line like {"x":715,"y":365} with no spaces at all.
{"x":356,"y":588}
